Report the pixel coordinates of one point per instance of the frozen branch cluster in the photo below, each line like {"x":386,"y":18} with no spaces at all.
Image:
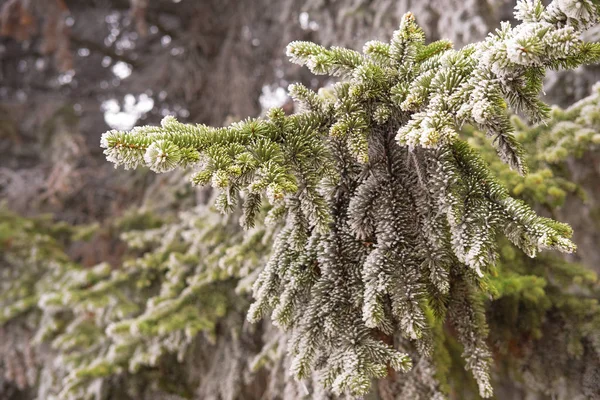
{"x":391,"y":218}
{"x":178,"y":301}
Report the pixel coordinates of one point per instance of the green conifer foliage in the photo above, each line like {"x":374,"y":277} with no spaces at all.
{"x":33,"y":261}
{"x":103,"y":323}
{"x":30,"y":249}
{"x":391,"y":217}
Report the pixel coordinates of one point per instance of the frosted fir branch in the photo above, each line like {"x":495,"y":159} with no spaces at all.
{"x":389,"y":214}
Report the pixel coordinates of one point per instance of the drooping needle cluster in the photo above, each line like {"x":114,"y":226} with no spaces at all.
{"x":391,"y":218}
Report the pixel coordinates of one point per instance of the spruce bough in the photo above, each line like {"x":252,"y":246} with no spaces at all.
{"x":391,"y":218}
